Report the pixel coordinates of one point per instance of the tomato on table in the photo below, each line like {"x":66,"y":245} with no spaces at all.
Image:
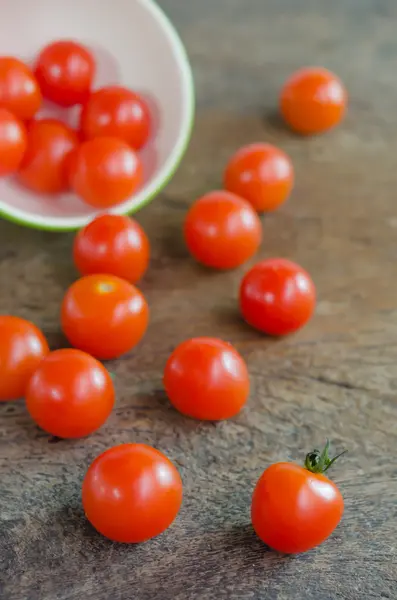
{"x":131,"y":493}
{"x":22,"y":348}
{"x":261,"y":174}
{"x":206,"y":378}
{"x":222,"y":230}
{"x":277,"y":296}
{"x":70,"y":394}
{"x":19,"y":90}
{"x":313,"y":100}
{"x":105,"y":172}
{"x":65,"y":71}
{"x":104,"y":315}
{"x":296,"y":508}
{"x":112,"y":244}
{"x":44,"y":168}
{"x":116,"y":112}
{"x":13,"y":142}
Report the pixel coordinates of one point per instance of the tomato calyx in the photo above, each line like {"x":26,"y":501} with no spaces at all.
{"x":319,"y":461}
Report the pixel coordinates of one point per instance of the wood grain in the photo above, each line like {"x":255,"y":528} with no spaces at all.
{"x":336,"y":378}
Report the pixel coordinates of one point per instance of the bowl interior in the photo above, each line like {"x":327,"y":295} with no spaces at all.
{"x":136,"y":46}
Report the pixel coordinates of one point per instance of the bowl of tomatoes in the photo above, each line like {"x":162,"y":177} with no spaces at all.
{"x":96,"y":109}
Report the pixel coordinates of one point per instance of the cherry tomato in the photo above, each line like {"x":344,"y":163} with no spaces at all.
{"x":294,"y":508}
{"x":131,"y":493}
{"x":206,"y":378}
{"x":13,"y":142}
{"x":261,"y":174}
{"x":22,"y":348}
{"x":313,"y":100}
{"x":19,"y":90}
{"x":70,"y":394}
{"x":116,"y":112}
{"x":44,"y":168}
{"x":65,"y":71}
{"x":104,"y":315}
{"x":277,"y":296}
{"x":222,"y":230}
{"x":105,"y":171}
{"x":112,"y":244}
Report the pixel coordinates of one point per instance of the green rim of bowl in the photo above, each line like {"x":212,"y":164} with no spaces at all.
{"x":178,"y":158}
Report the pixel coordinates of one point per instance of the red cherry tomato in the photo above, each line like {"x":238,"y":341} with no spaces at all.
{"x":44,"y":168}
{"x":13,"y":142}
{"x":19,"y":90}
{"x":65,"y":71}
{"x":207,"y":379}
{"x":261,"y":174}
{"x":104,"y":315}
{"x":131,"y":493}
{"x":70,"y":394}
{"x":277,"y":296}
{"x":295,"y":509}
{"x":22,"y":348}
{"x":222,"y":230}
{"x":105,"y":172}
{"x":116,"y":112}
{"x":313,"y":100}
{"x":112,"y":244}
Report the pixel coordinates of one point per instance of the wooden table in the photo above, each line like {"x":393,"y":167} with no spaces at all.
{"x":336,"y":378}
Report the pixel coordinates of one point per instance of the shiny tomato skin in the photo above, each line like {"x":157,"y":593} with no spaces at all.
{"x":206,"y":378}
{"x":277,"y":297}
{"x":19,"y":89}
{"x":222,"y":230}
{"x":22,"y":348}
{"x":294,"y":510}
{"x":261,"y":174}
{"x":44,"y":168}
{"x":70,"y":395}
{"x":65,"y":72}
{"x":112,"y":244}
{"x":104,"y":316}
{"x":116,"y":112}
{"x":105,"y":172}
{"x":13,"y":142}
{"x":313,"y":100}
{"x":131,"y":493}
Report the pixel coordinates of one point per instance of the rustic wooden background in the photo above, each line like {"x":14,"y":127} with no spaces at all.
{"x":336,"y":378}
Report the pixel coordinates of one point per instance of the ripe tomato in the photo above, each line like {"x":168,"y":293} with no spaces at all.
{"x":207,"y":379}
{"x":131,"y":493}
{"x":44,"y":168}
{"x":104,"y":315}
{"x":116,"y":112}
{"x":112,"y":244}
{"x":19,"y":90}
{"x":22,"y":348}
{"x":13,"y":142}
{"x":261,"y":174}
{"x":277,"y":296}
{"x":105,"y":171}
{"x":65,"y":71}
{"x":313,"y":100}
{"x":222,"y":230}
{"x":70,"y":394}
{"x":294,"y":508}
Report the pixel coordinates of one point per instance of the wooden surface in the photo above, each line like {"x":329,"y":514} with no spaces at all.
{"x":336,"y":378}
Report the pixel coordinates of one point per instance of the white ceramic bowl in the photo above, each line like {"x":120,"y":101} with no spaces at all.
{"x":136,"y":46}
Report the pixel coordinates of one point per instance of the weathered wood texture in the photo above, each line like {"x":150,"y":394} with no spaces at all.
{"x":336,"y":378}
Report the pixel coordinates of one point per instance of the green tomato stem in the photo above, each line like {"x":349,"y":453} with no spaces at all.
{"x":320,"y":462}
